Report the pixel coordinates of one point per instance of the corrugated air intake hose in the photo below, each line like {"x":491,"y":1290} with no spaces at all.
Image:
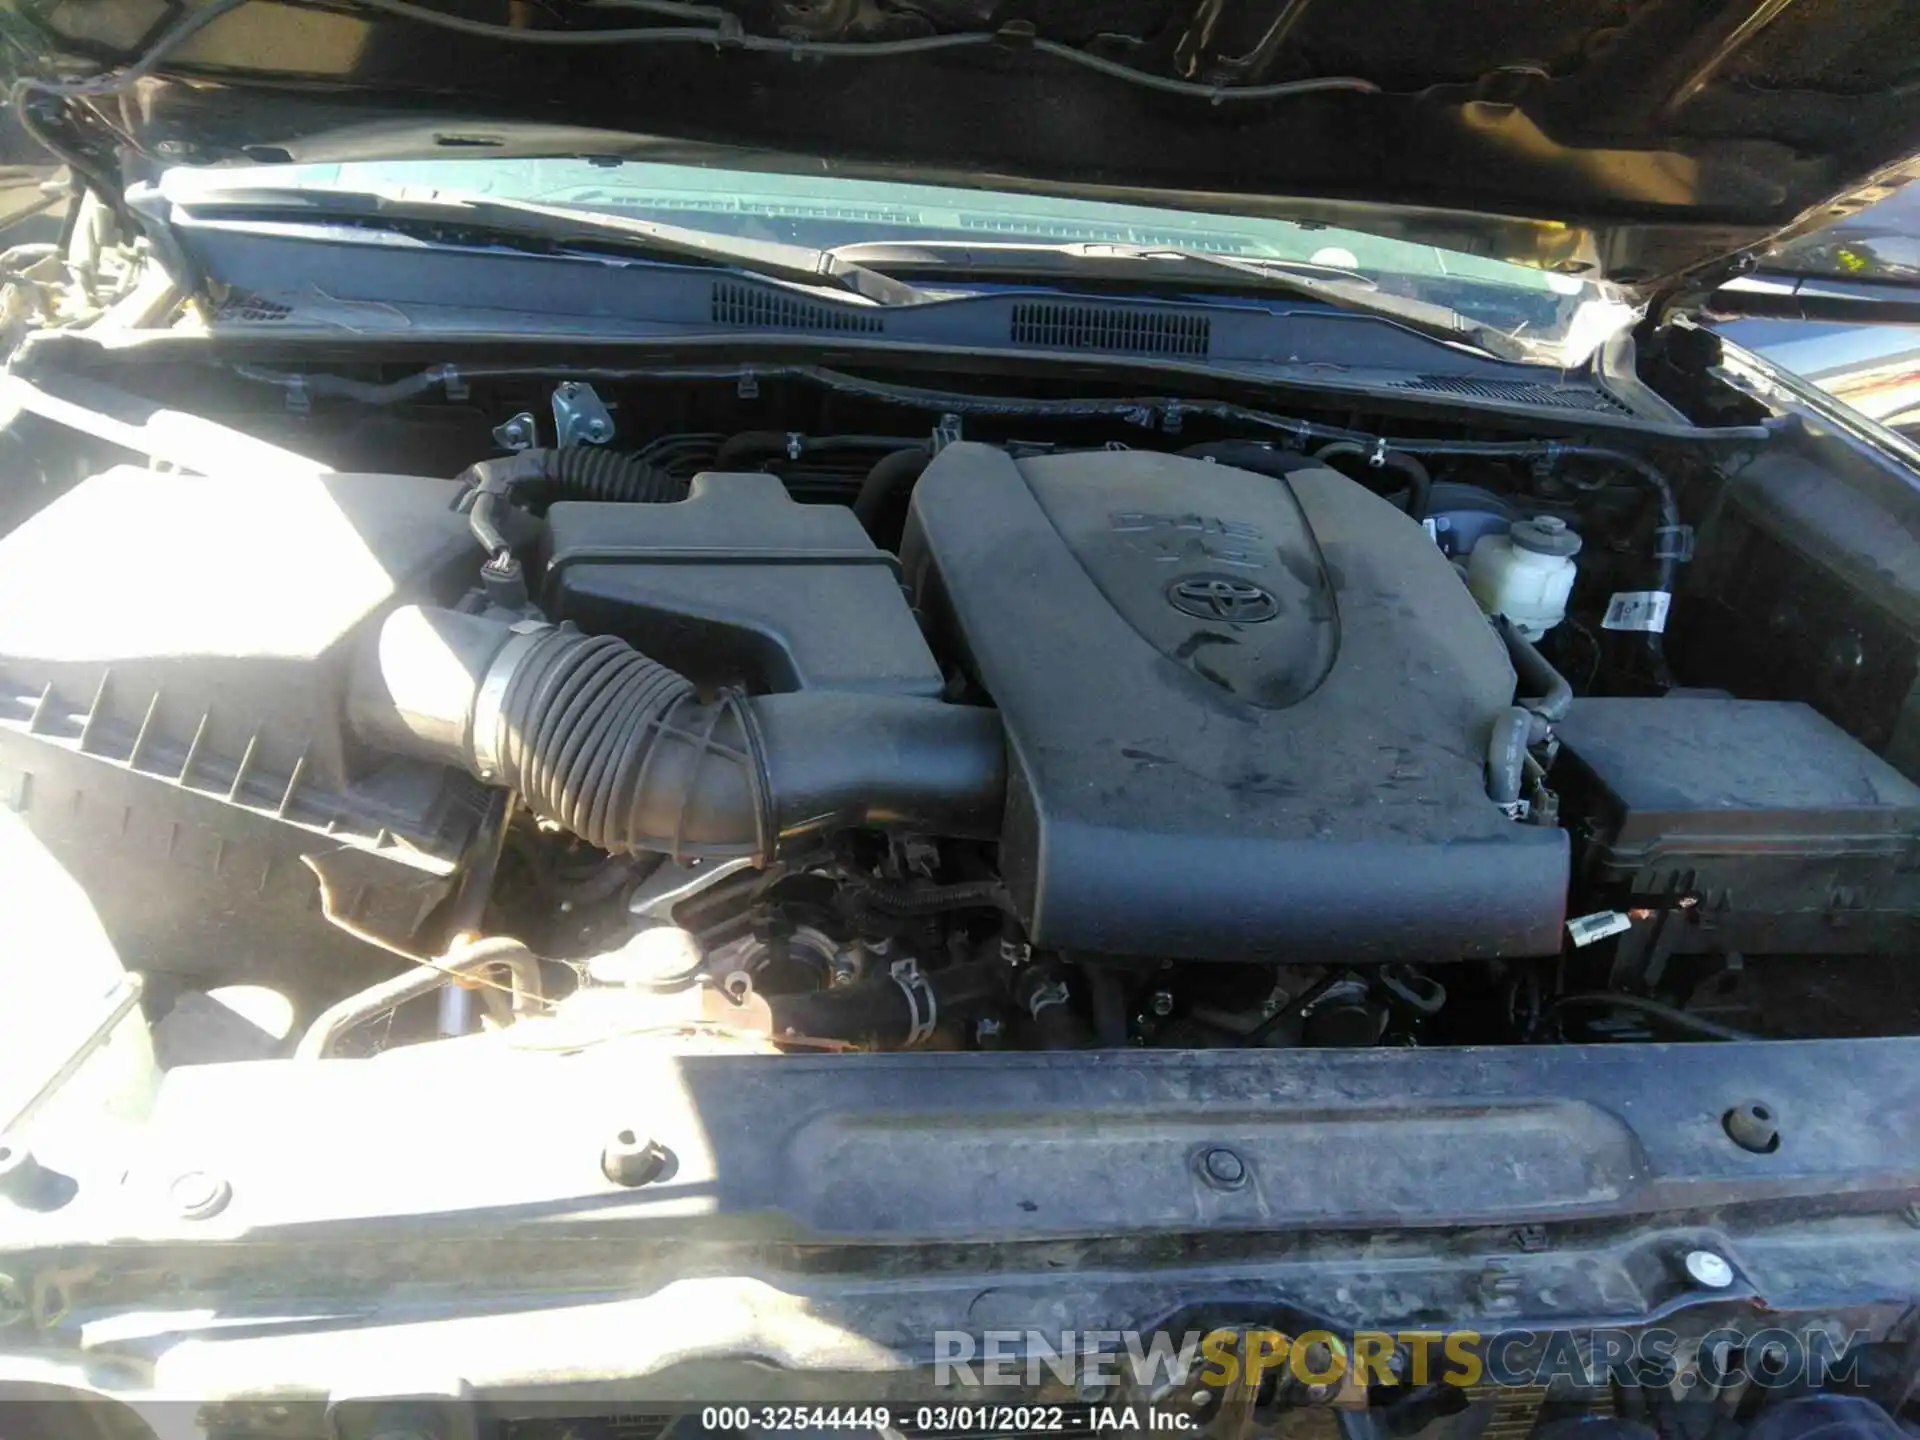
{"x":623,"y":752}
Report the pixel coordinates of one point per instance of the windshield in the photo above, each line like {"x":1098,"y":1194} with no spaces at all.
{"x":1880,"y":243}
{"x":1558,"y":316}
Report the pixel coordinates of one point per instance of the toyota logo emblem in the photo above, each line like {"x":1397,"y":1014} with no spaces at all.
{"x":1214,"y":597}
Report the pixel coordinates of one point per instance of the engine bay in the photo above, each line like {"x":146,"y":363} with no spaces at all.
{"x":772,"y":716}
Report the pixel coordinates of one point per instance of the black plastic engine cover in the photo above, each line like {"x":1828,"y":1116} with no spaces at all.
{"x":1248,"y":718}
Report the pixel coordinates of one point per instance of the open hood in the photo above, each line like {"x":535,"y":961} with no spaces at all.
{"x":1649,"y":142}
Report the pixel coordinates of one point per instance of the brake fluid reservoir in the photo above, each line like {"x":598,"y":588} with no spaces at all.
{"x":1526,"y":574}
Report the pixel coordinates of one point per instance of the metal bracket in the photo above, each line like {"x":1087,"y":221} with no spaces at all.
{"x":921,"y":1003}
{"x":518,"y":433}
{"x":579,"y":416}
{"x":654,"y":898}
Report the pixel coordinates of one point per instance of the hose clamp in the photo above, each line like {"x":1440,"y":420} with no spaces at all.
{"x":1673,"y":542}
{"x":921,"y":1004}
{"x":767,"y":835}
{"x":1045,"y":996}
{"x":486,"y":732}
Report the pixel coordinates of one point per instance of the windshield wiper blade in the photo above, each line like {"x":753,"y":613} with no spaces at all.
{"x":1332,"y":285}
{"x":560,"y":228}
{"x":1068,"y":258}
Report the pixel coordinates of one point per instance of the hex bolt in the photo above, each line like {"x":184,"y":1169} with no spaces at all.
{"x":199,"y":1194}
{"x":1708,"y":1269}
{"x":1223,"y":1168}
{"x":633,"y":1160}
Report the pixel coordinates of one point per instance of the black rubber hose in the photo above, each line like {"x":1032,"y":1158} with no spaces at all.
{"x":753,"y":446}
{"x":1045,"y":992}
{"x":894,"y":473}
{"x":1543,"y":689}
{"x":883,"y":1013}
{"x":748,"y":445}
{"x":575,"y":472}
{"x":1653,"y":1010}
{"x":621,"y":751}
{"x":1420,"y":483}
{"x":1507,"y":755}
{"x":588,"y":472}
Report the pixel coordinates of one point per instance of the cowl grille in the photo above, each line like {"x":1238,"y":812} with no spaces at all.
{"x":1517,"y":392}
{"x":750,"y":307}
{"x":245,"y":305}
{"x":1095,"y":327}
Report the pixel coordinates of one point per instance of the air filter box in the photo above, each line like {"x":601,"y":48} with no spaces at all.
{"x":172,"y":654}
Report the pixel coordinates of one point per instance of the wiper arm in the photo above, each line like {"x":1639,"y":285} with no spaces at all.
{"x":1333,"y":285}
{"x":557,"y":227}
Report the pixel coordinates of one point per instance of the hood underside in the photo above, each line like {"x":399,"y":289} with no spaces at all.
{"x":1635,"y":140}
